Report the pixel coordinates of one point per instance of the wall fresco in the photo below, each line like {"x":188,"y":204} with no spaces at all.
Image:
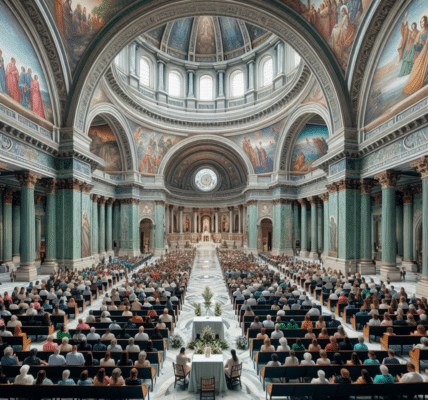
{"x":316,"y":96}
{"x":104,"y":145}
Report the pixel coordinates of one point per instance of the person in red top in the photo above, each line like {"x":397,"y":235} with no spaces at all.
{"x":343,"y":299}
{"x":82,"y":325}
{"x":333,"y":345}
{"x":49,"y":344}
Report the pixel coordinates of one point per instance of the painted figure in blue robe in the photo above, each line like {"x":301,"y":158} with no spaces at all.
{"x":23,"y":87}
{"x":3,"y":87}
{"x":28,"y":80}
{"x":354,"y":8}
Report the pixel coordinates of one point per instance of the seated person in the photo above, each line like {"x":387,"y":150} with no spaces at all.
{"x":182,"y":359}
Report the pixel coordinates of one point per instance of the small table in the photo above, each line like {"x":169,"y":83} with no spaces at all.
{"x":207,"y":368}
{"x":200,"y":323}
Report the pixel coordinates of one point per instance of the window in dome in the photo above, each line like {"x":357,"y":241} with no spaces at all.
{"x":268,"y":72}
{"x":206,"y":179}
{"x":297,"y":59}
{"x":237,"y":84}
{"x":144,"y":72}
{"x":206,"y":87}
{"x":174,"y":84}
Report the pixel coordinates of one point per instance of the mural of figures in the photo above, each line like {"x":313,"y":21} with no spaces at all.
{"x":22,"y":81}
{"x":206,"y":224}
{"x":224,"y":224}
{"x":151,"y":148}
{"x":337,"y":21}
{"x":86,"y":236}
{"x":78,"y":22}
{"x":260,"y":147}
{"x":310,"y":145}
{"x":104,"y":145}
{"x":187,"y":223}
{"x":401,"y":74}
{"x":333,"y":235}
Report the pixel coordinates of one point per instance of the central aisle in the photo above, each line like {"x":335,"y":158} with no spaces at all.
{"x":207,"y":272}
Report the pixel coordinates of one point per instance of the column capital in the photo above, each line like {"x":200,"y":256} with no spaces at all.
{"x":303,"y":202}
{"x":195,"y":209}
{"x":86,"y":187}
{"x":216,"y":209}
{"x":95,"y":197}
{"x":181,"y":208}
{"x":347,"y":184}
{"x":27,"y":179}
{"x":69,"y":184}
{"x":231,"y":208}
{"x":388,"y":179}
{"x":158,"y":202}
{"x":295,"y":203}
{"x":282,"y":201}
{"x":110,"y":201}
{"x":170,"y":206}
{"x":366,"y":185}
{"x":102,"y":200}
{"x":407,"y":195}
{"x":398,"y":198}
{"x":116,"y":203}
{"x":17,"y":198}
{"x":313,"y":200}
{"x":251,"y":203}
{"x":49,"y":185}
{"x":8,"y":195}
{"x":376,"y":199}
{"x":241,"y":206}
{"x":332,"y":188}
{"x":421,"y":166}
{"x":323,"y":197}
{"x":131,"y":201}
{"x":39,"y":198}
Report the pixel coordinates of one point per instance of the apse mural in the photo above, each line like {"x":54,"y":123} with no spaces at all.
{"x":151,"y":148}
{"x":310,"y":145}
{"x":337,"y":21}
{"x":260,"y":147}
{"x":104,"y":145}
{"x":78,"y":22}
{"x":401,"y":75}
{"x":22,"y":81}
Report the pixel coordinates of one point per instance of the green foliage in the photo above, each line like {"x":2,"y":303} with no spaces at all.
{"x":208,"y":339}
{"x":217,"y":310}
{"x":207,"y":295}
{"x":197,"y":307}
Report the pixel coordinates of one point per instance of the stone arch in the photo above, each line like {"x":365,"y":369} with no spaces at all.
{"x":121,"y":130}
{"x":276,"y":17}
{"x":292,"y":128}
{"x":147,"y":217}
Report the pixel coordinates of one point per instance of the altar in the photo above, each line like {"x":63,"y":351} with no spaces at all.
{"x":215,"y":323}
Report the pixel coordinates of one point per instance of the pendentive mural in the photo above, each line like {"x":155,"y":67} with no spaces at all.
{"x":22,"y":81}
{"x":310,"y":145}
{"x":104,"y":145}
{"x":401,"y":74}
{"x":260,"y":147}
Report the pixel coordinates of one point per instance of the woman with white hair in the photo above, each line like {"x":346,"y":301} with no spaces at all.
{"x":113,"y":346}
{"x":14,"y":322}
{"x":283,"y":345}
{"x":9,"y":358}
{"x":321,"y":378}
{"x":65,"y":347}
{"x":307,"y":359}
{"x":276,"y":334}
{"x":66,"y":380}
{"x":142,"y":362}
{"x":23,"y":378}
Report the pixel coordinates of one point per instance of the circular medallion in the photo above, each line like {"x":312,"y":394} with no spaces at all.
{"x":206,"y":179}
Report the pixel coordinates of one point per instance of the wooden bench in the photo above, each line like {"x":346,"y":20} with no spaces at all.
{"x":38,"y":330}
{"x":399,"y":340}
{"x":18,"y":341}
{"x":295,"y":333}
{"x":416,"y":355}
{"x":379,"y":331}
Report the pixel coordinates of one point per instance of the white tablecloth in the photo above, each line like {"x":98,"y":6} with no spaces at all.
{"x":200,"y":323}
{"x":207,"y":368}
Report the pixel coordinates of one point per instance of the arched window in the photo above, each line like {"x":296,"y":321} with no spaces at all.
{"x":267,"y":72}
{"x":144,"y":72}
{"x":297,"y":59}
{"x":206,"y":87}
{"x":237,"y":84}
{"x":174,"y":84}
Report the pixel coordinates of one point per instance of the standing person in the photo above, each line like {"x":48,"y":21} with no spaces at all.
{"x":403,"y":274}
{"x":36,"y":98}
{"x":12,"y":77}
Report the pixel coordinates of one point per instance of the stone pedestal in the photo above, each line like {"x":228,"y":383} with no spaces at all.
{"x":313,"y":255}
{"x":410,"y":266}
{"x":422,"y":288}
{"x":366,"y":267}
{"x":391,"y":271}
{"x":16,"y":259}
{"x":304,"y":253}
{"x":48,"y":267}
{"x":27,"y":272}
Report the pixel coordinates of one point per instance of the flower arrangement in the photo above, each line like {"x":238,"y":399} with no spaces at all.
{"x":217,"y":310}
{"x":208,"y":339}
{"x":197,"y":307}
{"x":242,"y":343}
{"x":176,"y":341}
{"x":207,"y":295}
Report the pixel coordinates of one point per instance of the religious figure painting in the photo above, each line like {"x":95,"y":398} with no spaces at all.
{"x":23,"y":84}
{"x":333,"y":234}
{"x":104,"y":145}
{"x":187,"y":223}
{"x":151,"y":148}
{"x":260,"y":147}
{"x":78,"y":22}
{"x":224,"y":224}
{"x":86,"y":236}
{"x":400,"y":77}
{"x":310,"y":145}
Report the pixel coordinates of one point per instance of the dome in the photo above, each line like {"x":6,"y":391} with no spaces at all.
{"x":206,"y":38}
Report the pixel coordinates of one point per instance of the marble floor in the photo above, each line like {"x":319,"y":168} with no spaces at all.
{"x":206,"y":272}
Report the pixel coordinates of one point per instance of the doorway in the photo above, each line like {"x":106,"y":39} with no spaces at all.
{"x":145,"y":239}
{"x":267,"y":229}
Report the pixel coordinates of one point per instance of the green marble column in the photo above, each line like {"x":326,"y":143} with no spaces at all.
{"x":1,"y":223}
{"x":408,"y":227}
{"x":102,"y":226}
{"x":159,"y":228}
{"x":388,"y":181}
{"x":7,"y":224}
{"x":320,"y":225}
{"x":314,"y":228}
{"x":50,"y":222}
{"x":252,"y":225}
{"x":136,"y":227}
{"x":399,"y":214}
{"x":326,"y":230}
{"x":16,"y":225}
{"x":95,"y":234}
{"x":297,"y":223}
{"x":282,"y":227}
{"x":152,"y":237}
{"x":27,"y":270}
{"x":116,"y":221}
{"x":304,"y":228}
{"x":366,"y":264}
{"x":109,"y":225}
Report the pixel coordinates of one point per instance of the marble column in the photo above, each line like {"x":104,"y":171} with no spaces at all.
{"x":251,"y":75}
{"x":27,"y":271}
{"x":408,"y":230}
{"x":388,"y":181}
{"x":195,"y":220}
{"x":102,"y":226}
{"x":171,"y":219}
{"x":304,"y":230}
{"x":366,"y":266}
{"x":320,"y":223}
{"x":399,"y":214}
{"x":133,"y":58}
{"x":161,"y":79}
{"x":50,"y":264}
{"x":190,"y":91}
{"x":221,"y":83}
{"x":95,"y":227}
{"x":280,"y":60}
{"x":314,"y":230}
{"x":230,"y":219}
{"x":181,"y":218}
{"x":297,"y":234}
{"x":421,"y":166}
{"x":16,"y":227}
{"x":239,"y":219}
{"x":216,"y":219}
{"x":324,"y":198}
{"x":109,"y":226}
{"x":116,"y":225}
{"x":152,"y":238}
{"x":7,"y":225}
{"x":252,"y":225}
{"x":39,"y":200}
{"x":159,"y":222}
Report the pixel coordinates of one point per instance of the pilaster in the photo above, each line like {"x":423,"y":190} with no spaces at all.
{"x":109,"y":226}
{"x":314,"y":229}
{"x":282,"y":227}
{"x":159,"y":230}
{"x":252,"y":225}
{"x":304,"y":230}
{"x":7,"y":225}
{"x":408,"y":230}
{"x":326,"y":236}
{"x":16,"y":228}
{"x":366,"y":265}
{"x":102,"y":226}
{"x":95,"y":242}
